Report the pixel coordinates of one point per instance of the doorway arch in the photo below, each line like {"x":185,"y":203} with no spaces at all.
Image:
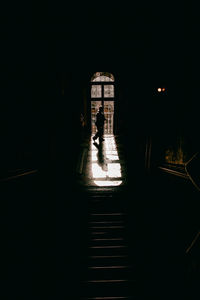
{"x":103,"y":94}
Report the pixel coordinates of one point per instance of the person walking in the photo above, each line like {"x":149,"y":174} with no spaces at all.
{"x":100,"y":119}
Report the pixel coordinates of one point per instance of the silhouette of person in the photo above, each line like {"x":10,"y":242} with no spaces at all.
{"x":100,"y":119}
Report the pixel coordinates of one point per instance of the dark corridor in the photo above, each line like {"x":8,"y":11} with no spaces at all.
{"x":80,"y":221}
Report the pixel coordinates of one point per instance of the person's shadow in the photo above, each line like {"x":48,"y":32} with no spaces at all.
{"x":101,"y":158}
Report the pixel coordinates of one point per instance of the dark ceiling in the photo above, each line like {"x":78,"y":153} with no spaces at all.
{"x":155,"y":41}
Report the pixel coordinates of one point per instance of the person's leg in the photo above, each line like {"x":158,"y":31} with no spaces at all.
{"x":96,"y":135}
{"x":101,"y":135}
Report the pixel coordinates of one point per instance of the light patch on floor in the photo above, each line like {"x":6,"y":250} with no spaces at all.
{"x":105,"y":164}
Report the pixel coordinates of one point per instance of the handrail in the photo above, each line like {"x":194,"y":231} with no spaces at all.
{"x":19,"y":175}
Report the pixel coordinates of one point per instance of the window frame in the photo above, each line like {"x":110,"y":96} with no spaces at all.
{"x":103,"y":83}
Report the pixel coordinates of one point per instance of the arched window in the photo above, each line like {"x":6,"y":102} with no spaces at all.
{"x":102,"y":85}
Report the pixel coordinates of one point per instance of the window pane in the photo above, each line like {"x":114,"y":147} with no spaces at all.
{"x":109,"y":115}
{"x":108,"y":91}
{"x":96,"y":91}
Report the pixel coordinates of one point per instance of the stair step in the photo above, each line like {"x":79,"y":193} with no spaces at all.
{"x":109,"y":242}
{"x":108,"y":274}
{"x":107,"y":233}
{"x":107,"y":298}
{"x":107,"y":267}
{"x":108,"y":227}
{"x":100,"y":288}
{"x":109,"y":256}
{"x":107,"y":281}
{"x":107,"y":239}
{"x":108,"y":260}
{"x":108,"y":247}
{"x":108,"y":251}
{"x":107,"y":222}
{"x":108,"y":214}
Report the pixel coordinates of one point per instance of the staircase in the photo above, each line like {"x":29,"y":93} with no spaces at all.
{"x":107,"y":271}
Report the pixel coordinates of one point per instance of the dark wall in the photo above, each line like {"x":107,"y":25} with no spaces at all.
{"x":41,"y":112}
{"x":50,"y":54}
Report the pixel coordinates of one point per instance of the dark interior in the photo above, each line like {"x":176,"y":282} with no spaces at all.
{"x":49,"y":54}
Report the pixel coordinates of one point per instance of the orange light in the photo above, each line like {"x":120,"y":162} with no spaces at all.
{"x":163,"y":89}
{"x":159,"y":90}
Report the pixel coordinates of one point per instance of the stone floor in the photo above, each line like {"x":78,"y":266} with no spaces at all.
{"x":102,"y":164}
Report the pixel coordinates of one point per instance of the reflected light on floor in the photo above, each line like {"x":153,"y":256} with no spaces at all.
{"x":107,"y":183}
{"x":106,"y":168}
